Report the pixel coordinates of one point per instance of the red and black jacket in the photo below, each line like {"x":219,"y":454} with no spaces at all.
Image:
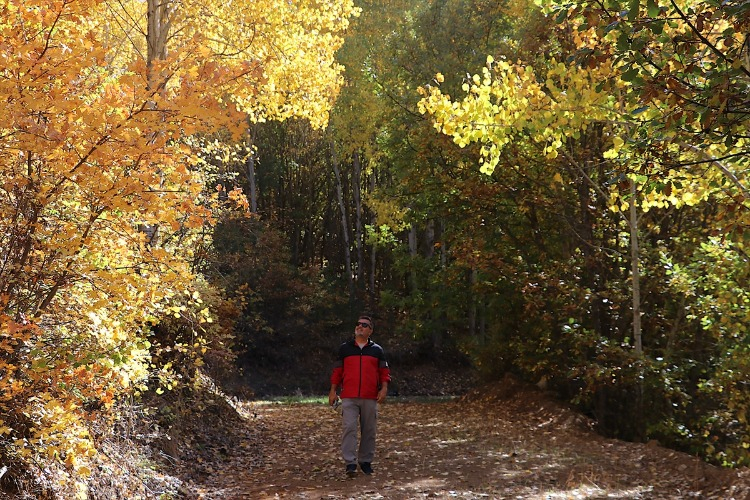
{"x":360,"y":371}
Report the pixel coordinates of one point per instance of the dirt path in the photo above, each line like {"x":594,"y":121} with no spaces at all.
{"x":518,"y":446}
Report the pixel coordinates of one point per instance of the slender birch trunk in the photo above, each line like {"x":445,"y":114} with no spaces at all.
{"x":344,"y":222}
{"x":357,"y":194}
{"x":635,"y":270}
{"x":373,"y":250}
{"x":636,"y":276}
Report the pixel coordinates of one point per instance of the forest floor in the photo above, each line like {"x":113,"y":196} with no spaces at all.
{"x":511,"y":441}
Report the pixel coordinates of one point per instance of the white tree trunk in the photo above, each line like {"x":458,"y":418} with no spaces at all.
{"x":635,"y":269}
{"x":357,"y":195}
{"x":344,"y":221}
{"x":373,"y":250}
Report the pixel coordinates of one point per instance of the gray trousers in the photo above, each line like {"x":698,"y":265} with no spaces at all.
{"x":358,"y":414}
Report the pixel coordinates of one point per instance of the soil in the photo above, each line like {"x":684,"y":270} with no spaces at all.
{"x":506,"y":441}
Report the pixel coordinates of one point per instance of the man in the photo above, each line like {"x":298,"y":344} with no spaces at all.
{"x":362,"y":372}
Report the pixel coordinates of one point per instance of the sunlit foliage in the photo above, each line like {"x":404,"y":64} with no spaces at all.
{"x":103,"y":201}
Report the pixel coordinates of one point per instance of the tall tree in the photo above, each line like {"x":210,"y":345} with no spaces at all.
{"x":93,"y":146}
{"x":634,"y":156}
{"x":376,"y":118}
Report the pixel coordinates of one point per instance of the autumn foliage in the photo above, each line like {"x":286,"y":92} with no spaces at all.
{"x":553,"y":189}
{"x":639,"y":123}
{"x":102,"y":199}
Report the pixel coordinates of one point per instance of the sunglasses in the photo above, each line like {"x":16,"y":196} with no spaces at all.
{"x":363,"y":325}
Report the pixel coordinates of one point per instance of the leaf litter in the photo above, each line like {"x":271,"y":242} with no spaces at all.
{"x":506,"y":441}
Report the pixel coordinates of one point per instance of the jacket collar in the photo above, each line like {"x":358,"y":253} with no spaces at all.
{"x":354,"y":342}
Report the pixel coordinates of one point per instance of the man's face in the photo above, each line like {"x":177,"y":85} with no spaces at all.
{"x":363,"y":329}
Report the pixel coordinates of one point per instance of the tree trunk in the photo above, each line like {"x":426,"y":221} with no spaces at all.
{"x":344,"y":222}
{"x":373,"y":249}
{"x":483,"y":323}
{"x":357,"y":194}
{"x":472,"y":303}
{"x":251,"y":170}
{"x":413,"y":253}
{"x":159,"y":20}
{"x":443,"y":249}
{"x":429,"y":239}
{"x":636,"y":277}
{"x":635,"y":270}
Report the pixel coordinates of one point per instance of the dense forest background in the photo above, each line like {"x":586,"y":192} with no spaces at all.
{"x":192,"y":190}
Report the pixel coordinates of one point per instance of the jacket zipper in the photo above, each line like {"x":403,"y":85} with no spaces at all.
{"x":359,"y":389}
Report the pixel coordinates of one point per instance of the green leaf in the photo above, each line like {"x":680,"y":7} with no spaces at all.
{"x":623,"y":43}
{"x":657,"y":27}
{"x":561,"y":16}
{"x":630,"y":75}
{"x":611,"y":26}
{"x":639,"y":43}
{"x":633,"y":8}
{"x":653,"y":8}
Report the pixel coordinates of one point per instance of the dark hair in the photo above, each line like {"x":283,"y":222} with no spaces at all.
{"x":368,"y":318}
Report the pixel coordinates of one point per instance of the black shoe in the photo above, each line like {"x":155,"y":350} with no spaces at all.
{"x":351,"y":470}
{"x":366,"y":467}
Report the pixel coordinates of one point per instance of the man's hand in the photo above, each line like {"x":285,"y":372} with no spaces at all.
{"x":332,"y":396}
{"x":382,"y":393}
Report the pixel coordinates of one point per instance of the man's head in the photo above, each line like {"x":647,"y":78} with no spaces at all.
{"x":363,"y":328}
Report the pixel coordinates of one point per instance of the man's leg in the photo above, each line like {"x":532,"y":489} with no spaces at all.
{"x":368,"y":418}
{"x":350,"y":421}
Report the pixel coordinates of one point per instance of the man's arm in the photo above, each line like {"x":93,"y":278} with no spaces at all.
{"x":337,"y":377}
{"x":332,"y":394}
{"x":384,"y":374}
{"x":383,"y":392}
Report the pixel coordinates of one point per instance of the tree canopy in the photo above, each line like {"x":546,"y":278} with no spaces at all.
{"x":104,"y":205}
